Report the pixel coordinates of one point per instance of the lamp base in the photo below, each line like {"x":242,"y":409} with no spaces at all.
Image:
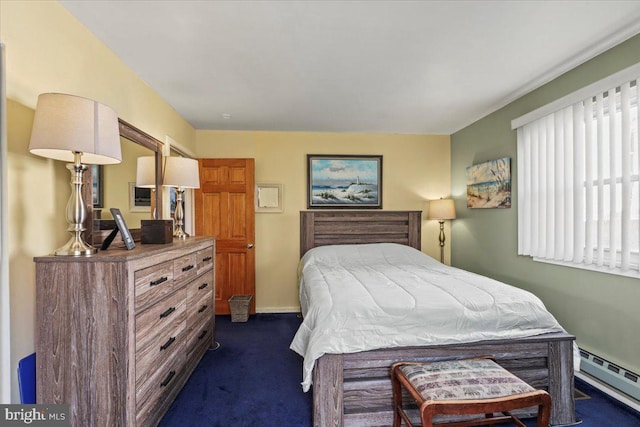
{"x":441,"y":239}
{"x":76,"y":213}
{"x":76,"y":247}
{"x":180,"y":234}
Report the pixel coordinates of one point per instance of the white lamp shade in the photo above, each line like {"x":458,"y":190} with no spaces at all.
{"x":181,"y":172}
{"x":146,"y":172}
{"x":441,"y":209}
{"x":66,"y":123}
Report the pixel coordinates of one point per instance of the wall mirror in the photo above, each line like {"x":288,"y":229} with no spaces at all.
{"x":114,"y":184}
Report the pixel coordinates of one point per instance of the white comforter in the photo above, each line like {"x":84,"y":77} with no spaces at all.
{"x":363,"y":297}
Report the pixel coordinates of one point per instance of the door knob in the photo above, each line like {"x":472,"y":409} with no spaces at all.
{"x":249,"y":245}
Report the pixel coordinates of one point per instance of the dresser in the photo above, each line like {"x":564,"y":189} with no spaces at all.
{"x":118,"y":334}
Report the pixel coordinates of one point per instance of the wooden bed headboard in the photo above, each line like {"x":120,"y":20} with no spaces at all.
{"x":320,"y":228}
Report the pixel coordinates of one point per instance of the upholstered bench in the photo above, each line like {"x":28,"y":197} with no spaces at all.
{"x":465,"y":387}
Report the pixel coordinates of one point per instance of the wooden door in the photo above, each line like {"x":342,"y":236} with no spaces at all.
{"x":225,"y":209}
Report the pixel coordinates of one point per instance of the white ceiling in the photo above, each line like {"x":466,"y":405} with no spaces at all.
{"x":419,"y":67}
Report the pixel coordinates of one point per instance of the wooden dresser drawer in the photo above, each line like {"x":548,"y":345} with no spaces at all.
{"x":185,"y":268}
{"x":200,"y":334}
{"x":152,"y":284}
{"x":204,"y":259}
{"x":200,"y":309}
{"x":199,"y":342}
{"x":153,"y":323}
{"x":198,"y":288}
{"x":156,"y":351}
{"x":161,"y":382}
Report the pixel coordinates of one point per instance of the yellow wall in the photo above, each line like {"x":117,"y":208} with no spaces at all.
{"x":415,"y":168}
{"x":48,"y":50}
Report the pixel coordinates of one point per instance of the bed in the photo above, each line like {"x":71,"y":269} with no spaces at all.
{"x":352,"y":388}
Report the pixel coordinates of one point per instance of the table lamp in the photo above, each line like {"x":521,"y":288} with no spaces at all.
{"x":181,"y":173}
{"x":146,"y":178}
{"x":441,"y":209}
{"x":75,"y":129}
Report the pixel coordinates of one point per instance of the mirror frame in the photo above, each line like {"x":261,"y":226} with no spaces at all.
{"x":132,"y":133}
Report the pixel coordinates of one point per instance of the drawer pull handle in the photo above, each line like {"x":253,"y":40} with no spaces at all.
{"x":202,"y":334}
{"x":204,"y":285}
{"x":203,"y":308}
{"x":187,"y":268}
{"x":168,"y":379}
{"x":168,"y":312}
{"x":160,"y":280}
{"x":167,"y":344}
{"x":207,"y":259}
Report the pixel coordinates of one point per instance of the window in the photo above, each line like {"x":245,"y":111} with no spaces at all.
{"x":578,"y":178}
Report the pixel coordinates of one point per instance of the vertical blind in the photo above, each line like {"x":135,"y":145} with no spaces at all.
{"x":579,"y":192}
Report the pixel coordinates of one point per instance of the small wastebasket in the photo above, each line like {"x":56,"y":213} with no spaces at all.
{"x":239,"y":305}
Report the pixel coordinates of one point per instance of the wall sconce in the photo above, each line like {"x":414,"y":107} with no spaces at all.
{"x":441,"y":209}
{"x":146,"y":178}
{"x":181,"y":173}
{"x":75,"y":129}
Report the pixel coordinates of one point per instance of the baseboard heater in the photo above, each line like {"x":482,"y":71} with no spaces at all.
{"x":617,"y":377}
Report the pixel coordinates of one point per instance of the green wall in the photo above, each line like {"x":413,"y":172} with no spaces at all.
{"x":602,"y":310}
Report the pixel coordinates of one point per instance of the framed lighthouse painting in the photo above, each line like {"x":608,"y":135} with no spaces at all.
{"x":344,"y":181}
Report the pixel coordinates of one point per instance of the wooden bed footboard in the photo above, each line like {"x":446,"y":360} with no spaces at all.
{"x":355,"y":389}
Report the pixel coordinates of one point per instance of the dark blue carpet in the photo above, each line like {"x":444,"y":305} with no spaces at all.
{"x":603,"y":410}
{"x":253,"y":380}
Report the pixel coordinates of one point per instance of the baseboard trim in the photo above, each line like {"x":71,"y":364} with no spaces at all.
{"x":277,"y":309}
{"x":632,"y":403}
